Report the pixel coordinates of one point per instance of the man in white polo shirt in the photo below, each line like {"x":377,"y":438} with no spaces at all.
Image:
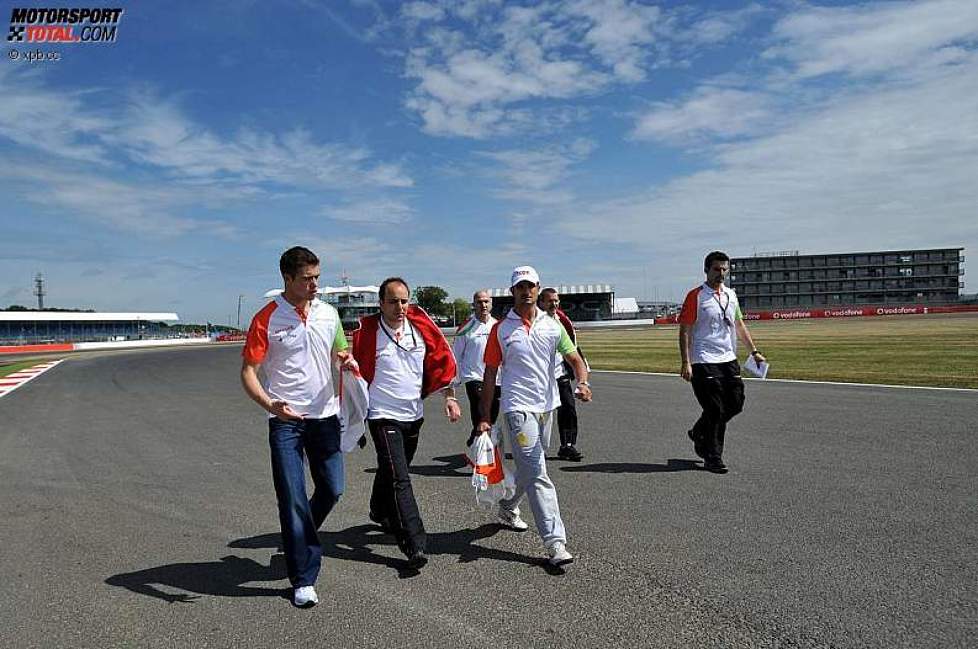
{"x":526,"y":342}
{"x":404,"y":357}
{"x":469,"y":348}
{"x":294,"y":339}
{"x":708,"y":353}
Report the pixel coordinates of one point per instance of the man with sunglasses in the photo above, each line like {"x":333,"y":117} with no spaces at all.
{"x":709,"y":324}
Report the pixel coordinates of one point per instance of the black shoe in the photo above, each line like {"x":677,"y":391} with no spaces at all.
{"x":697,"y":444}
{"x":381,"y":521}
{"x":417,"y":560}
{"x":569,"y":452}
{"x":715,"y":465}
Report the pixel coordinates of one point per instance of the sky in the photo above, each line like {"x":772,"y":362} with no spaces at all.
{"x":601,"y":141}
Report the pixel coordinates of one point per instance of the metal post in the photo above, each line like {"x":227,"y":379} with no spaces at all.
{"x":240,"y":298}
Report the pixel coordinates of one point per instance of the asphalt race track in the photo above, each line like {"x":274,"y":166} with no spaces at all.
{"x":136,"y":509}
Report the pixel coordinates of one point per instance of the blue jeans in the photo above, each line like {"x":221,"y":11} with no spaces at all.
{"x":290,"y":442}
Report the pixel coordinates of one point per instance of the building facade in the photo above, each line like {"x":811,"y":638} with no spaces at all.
{"x":930,"y":276}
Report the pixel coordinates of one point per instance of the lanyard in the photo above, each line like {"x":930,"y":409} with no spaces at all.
{"x":723,"y":308}
{"x":413,"y":339}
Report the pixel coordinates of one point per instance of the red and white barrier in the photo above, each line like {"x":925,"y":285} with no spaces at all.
{"x":845,"y":312}
{"x":122,"y":344}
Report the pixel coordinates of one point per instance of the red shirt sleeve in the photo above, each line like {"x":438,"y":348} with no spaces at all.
{"x":256,"y":344}
{"x":690,"y":306}
{"x":493,"y":356}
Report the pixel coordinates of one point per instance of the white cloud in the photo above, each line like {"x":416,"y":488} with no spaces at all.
{"x":710,"y":112}
{"x":874,"y":38}
{"x":719,"y":26}
{"x":884,"y":166}
{"x":157,"y":210}
{"x":535,"y":176}
{"x":422,"y":11}
{"x":381,"y":211}
{"x":475,"y":81}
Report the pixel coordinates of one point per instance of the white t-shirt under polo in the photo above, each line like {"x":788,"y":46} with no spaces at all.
{"x":395,"y":392}
{"x":294,"y":351}
{"x":527,"y":349}
{"x":713,"y":316}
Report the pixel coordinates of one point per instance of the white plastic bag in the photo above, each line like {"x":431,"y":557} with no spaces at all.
{"x":491,"y":480}
{"x":353,"y":408}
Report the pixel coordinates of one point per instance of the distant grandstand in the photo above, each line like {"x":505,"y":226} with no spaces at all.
{"x":42,"y":327}
{"x":581,"y":302}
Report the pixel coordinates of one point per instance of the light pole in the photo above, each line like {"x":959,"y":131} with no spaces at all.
{"x":240,"y":299}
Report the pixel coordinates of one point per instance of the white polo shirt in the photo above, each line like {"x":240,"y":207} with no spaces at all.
{"x":527,"y":349}
{"x":469,"y":348}
{"x":395,"y":392}
{"x":713,"y":316}
{"x":294,"y":351}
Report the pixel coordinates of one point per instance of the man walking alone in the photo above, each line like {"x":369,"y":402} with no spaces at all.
{"x":708,"y":354}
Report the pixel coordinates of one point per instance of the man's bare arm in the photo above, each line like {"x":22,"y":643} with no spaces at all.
{"x":685,"y":340}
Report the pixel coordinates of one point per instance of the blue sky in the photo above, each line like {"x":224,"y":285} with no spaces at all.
{"x":603,"y":142}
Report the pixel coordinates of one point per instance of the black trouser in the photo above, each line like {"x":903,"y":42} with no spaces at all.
{"x":392,"y":497}
{"x":720,"y":391}
{"x":473,"y":390}
{"x":567,"y":412}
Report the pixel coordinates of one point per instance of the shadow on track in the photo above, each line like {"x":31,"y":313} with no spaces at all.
{"x":223,"y":577}
{"x":357,"y":543}
{"x":448,"y":468}
{"x":671,"y":465}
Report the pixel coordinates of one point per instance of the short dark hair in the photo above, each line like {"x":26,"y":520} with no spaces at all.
{"x":716,"y":255}
{"x":381,"y":292}
{"x":295,"y":258}
{"x":545,"y":291}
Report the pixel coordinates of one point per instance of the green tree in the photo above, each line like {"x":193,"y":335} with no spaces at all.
{"x":432,"y":300}
{"x":463,"y":309}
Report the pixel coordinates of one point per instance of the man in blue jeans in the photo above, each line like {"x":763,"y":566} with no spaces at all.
{"x":294,"y":340}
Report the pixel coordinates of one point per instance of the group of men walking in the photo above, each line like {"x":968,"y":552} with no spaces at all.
{"x":520,"y":366}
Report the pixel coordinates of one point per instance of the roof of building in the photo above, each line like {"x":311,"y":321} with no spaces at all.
{"x":563,"y":289}
{"x":84,"y":316}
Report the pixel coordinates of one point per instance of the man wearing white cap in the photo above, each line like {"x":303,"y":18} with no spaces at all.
{"x":526,"y":342}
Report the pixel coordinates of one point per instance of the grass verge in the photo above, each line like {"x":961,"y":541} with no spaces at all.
{"x":932,"y":350}
{"x":10,"y":368}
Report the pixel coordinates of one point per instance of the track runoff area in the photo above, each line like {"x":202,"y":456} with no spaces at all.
{"x":138,"y":510}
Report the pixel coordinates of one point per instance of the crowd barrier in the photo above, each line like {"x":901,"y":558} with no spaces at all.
{"x":845,"y":312}
{"x":122,"y":344}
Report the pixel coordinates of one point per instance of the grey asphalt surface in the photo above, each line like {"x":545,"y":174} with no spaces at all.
{"x":136,"y":509}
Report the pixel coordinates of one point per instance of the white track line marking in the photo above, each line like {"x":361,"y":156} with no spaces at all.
{"x":13,"y":381}
{"x":750,"y":378}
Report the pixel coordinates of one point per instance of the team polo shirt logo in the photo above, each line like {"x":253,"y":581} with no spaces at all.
{"x":527,"y":351}
{"x":713,"y":316}
{"x":295,"y":355}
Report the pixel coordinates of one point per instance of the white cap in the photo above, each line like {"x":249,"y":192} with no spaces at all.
{"x":524,"y":274}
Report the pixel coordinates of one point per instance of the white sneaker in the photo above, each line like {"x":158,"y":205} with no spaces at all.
{"x":559,"y":555}
{"x":511,"y":519}
{"x":305,"y":596}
